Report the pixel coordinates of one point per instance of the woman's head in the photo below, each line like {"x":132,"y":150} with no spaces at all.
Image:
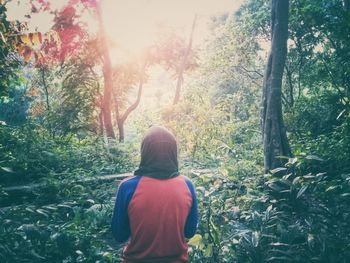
{"x":158,"y":154}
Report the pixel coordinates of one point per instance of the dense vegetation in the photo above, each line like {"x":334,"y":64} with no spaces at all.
{"x":52,"y":132}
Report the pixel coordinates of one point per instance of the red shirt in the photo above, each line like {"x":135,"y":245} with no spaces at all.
{"x":160,"y":213}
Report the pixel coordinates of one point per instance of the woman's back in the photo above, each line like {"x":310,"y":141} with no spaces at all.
{"x":158,"y":211}
{"x":156,"y":208}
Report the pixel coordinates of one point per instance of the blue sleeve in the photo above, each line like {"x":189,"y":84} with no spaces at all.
{"x":192,"y":219}
{"x":120,"y":219}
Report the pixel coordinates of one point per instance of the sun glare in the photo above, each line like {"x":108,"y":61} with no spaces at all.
{"x":133,"y":24}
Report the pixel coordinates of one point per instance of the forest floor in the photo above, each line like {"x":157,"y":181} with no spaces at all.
{"x":61,"y":219}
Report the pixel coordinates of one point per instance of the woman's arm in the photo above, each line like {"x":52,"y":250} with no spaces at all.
{"x":192,"y":219}
{"x":120,"y":219}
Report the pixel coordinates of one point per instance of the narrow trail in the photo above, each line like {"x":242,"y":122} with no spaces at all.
{"x":19,"y":195}
{"x":23,"y":194}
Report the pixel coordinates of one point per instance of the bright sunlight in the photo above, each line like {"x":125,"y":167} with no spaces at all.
{"x":133,"y":25}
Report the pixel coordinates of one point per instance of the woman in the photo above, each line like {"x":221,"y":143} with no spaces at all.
{"x":157,"y":207}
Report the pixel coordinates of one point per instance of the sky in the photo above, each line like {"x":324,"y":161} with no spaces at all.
{"x":134,"y":21}
{"x":132,"y":24}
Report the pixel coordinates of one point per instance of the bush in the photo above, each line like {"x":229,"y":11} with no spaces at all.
{"x":75,"y":228}
{"x":30,"y":153}
{"x":298,"y":217}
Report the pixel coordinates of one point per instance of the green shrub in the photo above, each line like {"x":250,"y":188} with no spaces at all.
{"x":31,"y":153}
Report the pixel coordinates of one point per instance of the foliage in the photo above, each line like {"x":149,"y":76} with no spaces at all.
{"x":302,"y":216}
{"x":76,"y":108}
{"x":9,"y":63}
{"x":14,"y":106}
{"x":74,"y":228}
{"x":295,"y":218}
{"x":31,"y":153}
{"x":170,"y":50}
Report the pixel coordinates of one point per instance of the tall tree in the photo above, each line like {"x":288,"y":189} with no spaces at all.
{"x":108,"y":78}
{"x":126,"y":77}
{"x":183,"y":64}
{"x":274,"y":132}
{"x":121,"y":118}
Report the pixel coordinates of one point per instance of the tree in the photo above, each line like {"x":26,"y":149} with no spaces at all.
{"x":121,"y":118}
{"x":275,"y":139}
{"x":127,"y":76}
{"x":108,"y":78}
{"x":9,"y":63}
{"x":175,"y":55}
{"x":183,"y":64}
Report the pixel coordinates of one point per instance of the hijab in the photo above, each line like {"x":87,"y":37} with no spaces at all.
{"x":158,"y":154}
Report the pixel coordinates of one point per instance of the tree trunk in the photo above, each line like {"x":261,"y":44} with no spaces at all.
{"x":120,"y":123}
{"x":46,"y":89}
{"x":183,"y":65}
{"x":108,"y":80}
{"x":43,"y":71}
{"x":274,"y":133}
{"x":290,"y":87}
{"x":121,"y":120}
{"x":100,"y":118}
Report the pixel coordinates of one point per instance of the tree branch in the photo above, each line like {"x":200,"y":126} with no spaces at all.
{"x":183,"y":64}
{"x":133,"y":106}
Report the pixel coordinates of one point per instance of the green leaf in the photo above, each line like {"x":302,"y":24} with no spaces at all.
{"x":275,"y":187}
{"x":296,"y":179}
{"x":64,"y":205}
{"x":269,"y":208}
{"x":255,"y":238}
{"x":7,"y":169}
{"x":340,"y":114}
{"x":108,"y":255}
{"x":314,"y":157}
{"x":36,"y":254}
{"x":2,"y":38}
{"x":279,"y":169}
{"x":29,"y":210}
{"x":279,"y":259}
{"x":42,"y":212}
{"x":331,"y":188}
{"x":279,"y":244}
{"x":195,"y":240}
{"x":302,"y":190}
{"x":208,"y":251}
{"x":292,"y":160}
{"x":216,"y":232}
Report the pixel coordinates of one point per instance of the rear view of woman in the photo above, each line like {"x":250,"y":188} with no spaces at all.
{"x":156,"y":209}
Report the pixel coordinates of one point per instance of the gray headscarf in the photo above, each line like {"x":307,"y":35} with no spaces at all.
{"x":158,"y":154}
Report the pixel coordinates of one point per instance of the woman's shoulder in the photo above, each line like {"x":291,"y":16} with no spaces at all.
{"x":130,"y":181}
{"x":188,"y":182}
